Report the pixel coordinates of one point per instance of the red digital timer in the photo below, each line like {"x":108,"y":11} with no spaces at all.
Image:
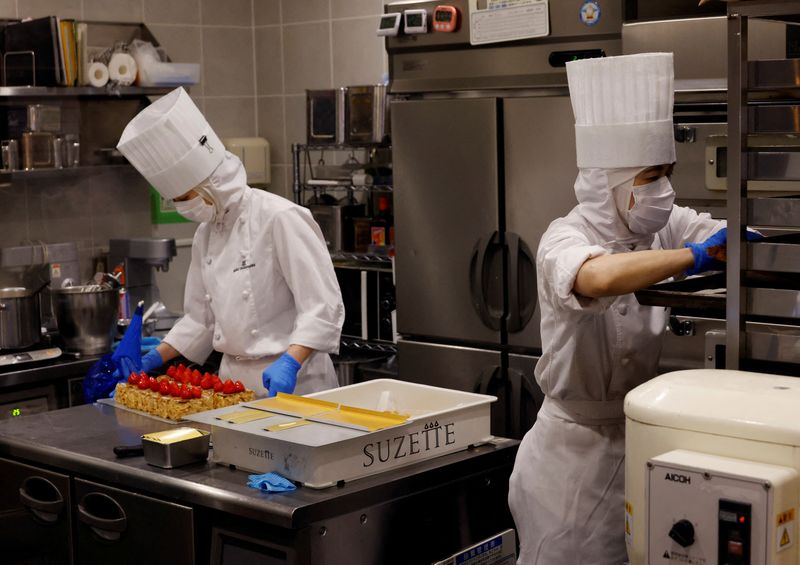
{"x":445,"y":18}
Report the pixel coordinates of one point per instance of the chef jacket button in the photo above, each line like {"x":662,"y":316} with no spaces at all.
{"x":623,"y":309}
{"x":208,"y":261}
{"x":625,"y":361}
{"x":208,"y":298}
{"x":254,"y":332}
{"x":245,"y":294}
{"x":243,"y":253}
{"x":238,"y":357}
{"x":217,"y":337}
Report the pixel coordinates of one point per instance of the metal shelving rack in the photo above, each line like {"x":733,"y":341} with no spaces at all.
{"x":763,"y":278}
{"x":300,"y":186}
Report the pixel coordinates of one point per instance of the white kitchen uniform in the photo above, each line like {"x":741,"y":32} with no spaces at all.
{"x":260,"y":279}
{"x":567,"y":488}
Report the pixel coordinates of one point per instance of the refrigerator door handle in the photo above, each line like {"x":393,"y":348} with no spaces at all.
{"x":525,"y":389}
{"x":478,"y":279}
{"x":484,"y":383}
{"x":520,"y":309}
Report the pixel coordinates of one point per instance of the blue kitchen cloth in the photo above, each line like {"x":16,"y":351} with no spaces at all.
{"x":270,"y":482}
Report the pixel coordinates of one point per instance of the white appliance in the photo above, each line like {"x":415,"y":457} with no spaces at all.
{"x":711,"y":469}
{"x":254,"y":155}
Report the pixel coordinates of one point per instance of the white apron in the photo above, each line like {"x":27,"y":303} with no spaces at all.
{"x":317,"y":373}
{"x":563,"y":510}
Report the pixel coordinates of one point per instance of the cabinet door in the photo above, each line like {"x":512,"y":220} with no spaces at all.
{"x":34,"y":515}
{"x":540,"y":172}
{"x":527,"y":397}
{"x":121,"y":527}
{"x":459,"y":368}
{"x":448,"y":257}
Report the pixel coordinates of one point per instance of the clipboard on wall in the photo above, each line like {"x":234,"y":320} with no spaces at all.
{"x":31,"y":53}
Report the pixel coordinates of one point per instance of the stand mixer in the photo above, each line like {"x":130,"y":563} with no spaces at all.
{"x":138,"y":259}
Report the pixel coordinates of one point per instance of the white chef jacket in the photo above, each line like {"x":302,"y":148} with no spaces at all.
{"x":567,"y":488}
{"x":260,"y":279}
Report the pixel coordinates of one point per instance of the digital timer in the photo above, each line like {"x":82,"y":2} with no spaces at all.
{"x":415,"y":21}
{"x":445,"y":19}
{"x":390,"y":24}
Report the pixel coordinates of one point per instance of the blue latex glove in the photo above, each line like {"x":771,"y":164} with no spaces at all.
{"x":281,"y":376}
{"x":705,"y":253}
{"x":270,"y":482}
{"x":150,"y":362}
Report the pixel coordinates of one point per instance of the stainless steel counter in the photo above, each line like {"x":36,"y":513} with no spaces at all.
{"x":79,"y":441}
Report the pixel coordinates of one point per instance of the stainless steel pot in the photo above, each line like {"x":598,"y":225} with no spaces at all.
{"x":86,"y":318}
{"x":20,"y":320}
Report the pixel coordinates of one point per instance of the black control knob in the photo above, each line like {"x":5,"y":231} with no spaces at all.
{"x":683,"y":533}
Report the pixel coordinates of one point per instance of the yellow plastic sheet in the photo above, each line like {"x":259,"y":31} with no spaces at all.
{"x":293,"y":405}
{"x":361,"y":418}
{"x":244,"y":416}
{"x":173,"y":436}
{"x":286,"y":426}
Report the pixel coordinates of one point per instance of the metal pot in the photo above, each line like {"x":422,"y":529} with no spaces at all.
{"x":20,"y":321}
{"x":86,"y":317}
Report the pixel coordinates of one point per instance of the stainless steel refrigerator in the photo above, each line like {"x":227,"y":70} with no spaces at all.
{"x":484,"y":159}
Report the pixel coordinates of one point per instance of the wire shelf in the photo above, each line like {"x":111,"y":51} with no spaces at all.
{"x":363,"y":345}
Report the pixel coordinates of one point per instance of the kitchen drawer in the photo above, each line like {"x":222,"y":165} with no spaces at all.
{"x":34,"y":515}
{"x":120,"y":527}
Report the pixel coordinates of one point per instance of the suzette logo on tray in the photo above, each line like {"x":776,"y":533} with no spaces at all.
{"x":433,"y":436}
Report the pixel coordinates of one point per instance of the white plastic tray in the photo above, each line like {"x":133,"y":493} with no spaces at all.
{"x":319,"y":455}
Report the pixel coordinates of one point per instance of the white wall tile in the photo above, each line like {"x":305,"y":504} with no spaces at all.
{"x":295,"y":122}
{"x":269,"y":60}
{"x":232,"y":117}
{"x":294,"y":11}
{"x":227,"y":62}
{"x":8,"y":8}
{"x":281,"y":181}
{"x":227,"y":12}
{"x":40,"y":8}
{"x":354,"y":8}
{"x":357,"y":53}
{"x":172,"y":11}
{"x":267,"y":12}
{"x":113,"y":10}
{"x":306,"y":58}
{"x":271,"y":127}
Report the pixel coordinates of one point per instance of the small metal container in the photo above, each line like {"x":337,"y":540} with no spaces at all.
{"x":86,"y":318}
{"x":325,"y":116}
{"x":42,"y":117}
{"x":169,"y":455}
{"x":20,"y":319}
{"x":37,"y":150}
{"x":9,"y":149}
{"x":366,"y":114}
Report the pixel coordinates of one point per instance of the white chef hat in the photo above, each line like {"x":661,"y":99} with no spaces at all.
{"x":623,"y":110}
{"x":171,"y":144}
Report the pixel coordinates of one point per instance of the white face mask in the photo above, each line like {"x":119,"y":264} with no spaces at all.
{"x":195,"y":209}
{"x":652,"y":206}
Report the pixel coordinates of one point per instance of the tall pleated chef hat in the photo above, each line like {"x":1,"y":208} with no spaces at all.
{"x":171,"y":144}
{"x":623,"y":110}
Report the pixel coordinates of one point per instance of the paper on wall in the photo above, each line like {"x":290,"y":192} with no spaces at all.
{"x":508,"y":20}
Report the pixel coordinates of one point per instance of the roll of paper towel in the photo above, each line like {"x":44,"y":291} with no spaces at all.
{"x":122,"y":68}
{"x":97,"y":75}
